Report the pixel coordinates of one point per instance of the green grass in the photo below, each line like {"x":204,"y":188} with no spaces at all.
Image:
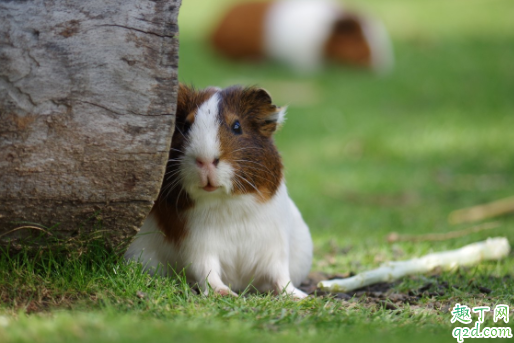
{"x":364,"y":156}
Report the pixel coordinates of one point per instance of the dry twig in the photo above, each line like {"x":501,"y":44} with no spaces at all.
{"x":490,"y":249}
{"x":480,"y":212}
{"x":395,"y":237}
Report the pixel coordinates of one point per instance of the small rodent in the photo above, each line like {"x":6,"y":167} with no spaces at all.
{"x":303,"y":34}
{"x":223,"y":212}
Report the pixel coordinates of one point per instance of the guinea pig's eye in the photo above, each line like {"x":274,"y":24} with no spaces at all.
{"x":236,"y":128}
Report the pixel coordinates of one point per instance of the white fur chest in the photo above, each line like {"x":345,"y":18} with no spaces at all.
{"x":244,"y":235}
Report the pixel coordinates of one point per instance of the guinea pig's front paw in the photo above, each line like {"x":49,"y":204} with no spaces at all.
{"x":225,"y":292}
{"x":291,"y":291}
{"x":297,"y":294}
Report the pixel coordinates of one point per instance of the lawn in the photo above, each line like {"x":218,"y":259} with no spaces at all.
{"x":365,"y":156}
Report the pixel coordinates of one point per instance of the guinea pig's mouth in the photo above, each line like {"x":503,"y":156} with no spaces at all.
{"x":209,"y":188}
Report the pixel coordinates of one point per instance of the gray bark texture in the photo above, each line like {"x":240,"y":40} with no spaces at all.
{"x":88,"y":94}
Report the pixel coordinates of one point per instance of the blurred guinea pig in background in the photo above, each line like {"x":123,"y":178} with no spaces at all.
{"x":303,"y":34}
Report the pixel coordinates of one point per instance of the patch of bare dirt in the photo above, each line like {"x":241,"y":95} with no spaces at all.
{"x":385,"y":295}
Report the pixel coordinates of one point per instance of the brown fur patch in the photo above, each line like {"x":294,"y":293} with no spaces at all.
{"x":173,"y":201}
{"x":171,"y":218}
{"x":240,"y":34}
{"x":189,"y":99}
{"x":347,"y":43}
{"x":252,"y":154}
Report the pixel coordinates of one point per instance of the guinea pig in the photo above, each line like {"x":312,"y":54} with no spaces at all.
{"x":303,"y":34}
{"x":223,"y":213}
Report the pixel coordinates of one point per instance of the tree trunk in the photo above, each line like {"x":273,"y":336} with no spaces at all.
{"x":88,"y":94}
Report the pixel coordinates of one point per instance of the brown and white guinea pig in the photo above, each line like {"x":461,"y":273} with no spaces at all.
{"x":223,"y":212}
{"x":303,"y":34}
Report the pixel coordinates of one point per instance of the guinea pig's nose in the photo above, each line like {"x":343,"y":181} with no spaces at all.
{"x":202,"y":162}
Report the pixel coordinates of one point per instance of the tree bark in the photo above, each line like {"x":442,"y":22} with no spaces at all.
{"x":88,"y":94}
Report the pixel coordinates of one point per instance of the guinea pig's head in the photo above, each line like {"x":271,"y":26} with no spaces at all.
{"x":223,"y":144}
{"x":348,"y":43}
{"x":360,"y":41}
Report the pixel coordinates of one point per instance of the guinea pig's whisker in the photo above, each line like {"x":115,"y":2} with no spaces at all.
{"x":177,"y":150}
{"x":239,"y":186}
{"x":172,"y":185}
{"x":261,"y":169}
{"x":256,"y":148}
{"x":258,"y":169}
{"x":257,"y":163}
{"x":174,"y":171}
{"x":180,"y":131}
{"x":178,"y":197}
{"x":174,"y":182}
{"x":251,"y":184}
{"x":168,"y":189}
{"x":255,"y":175}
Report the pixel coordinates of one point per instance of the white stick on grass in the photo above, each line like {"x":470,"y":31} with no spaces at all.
{"x":490,"y":249}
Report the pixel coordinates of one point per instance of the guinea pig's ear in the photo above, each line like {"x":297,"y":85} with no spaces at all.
{"x":279,"y":116}
{"x":269,"y":116}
